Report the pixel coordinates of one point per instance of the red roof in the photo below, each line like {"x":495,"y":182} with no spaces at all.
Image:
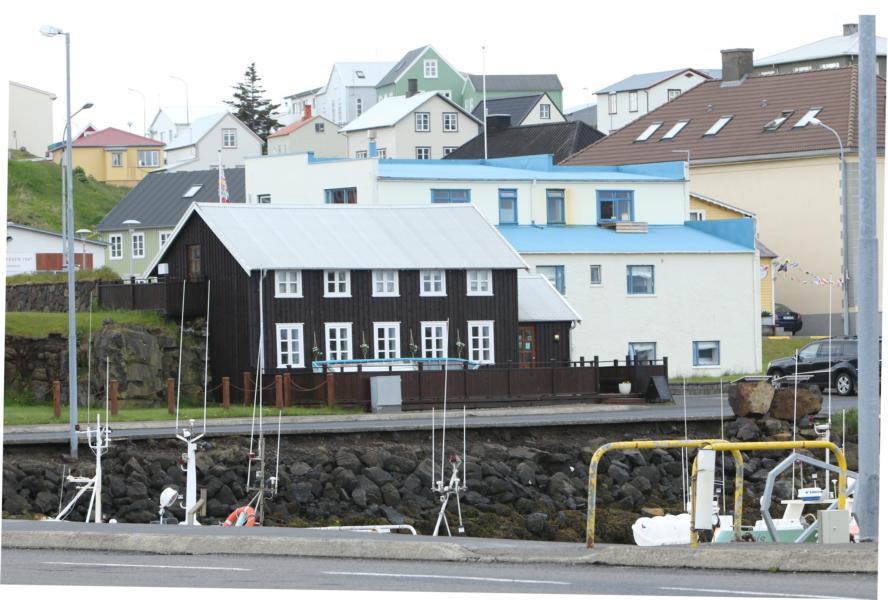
{"x":293,"y":126}
{"x":113,"y":137}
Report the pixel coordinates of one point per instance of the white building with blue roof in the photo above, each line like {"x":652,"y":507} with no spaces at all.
{"x":615,"y":240}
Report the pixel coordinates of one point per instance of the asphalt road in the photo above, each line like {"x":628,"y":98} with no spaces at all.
{"x":698,"y":408}
{"x":39,"y":567}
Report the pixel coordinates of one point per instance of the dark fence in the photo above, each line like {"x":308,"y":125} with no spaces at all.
{"x":486,"y":387}
{"x":165,"y":296}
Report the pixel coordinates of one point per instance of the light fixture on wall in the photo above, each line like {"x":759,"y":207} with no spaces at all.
{"x":556,"y":337}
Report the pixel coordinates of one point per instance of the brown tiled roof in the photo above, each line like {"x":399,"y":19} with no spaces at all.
{"x":753,"y":104}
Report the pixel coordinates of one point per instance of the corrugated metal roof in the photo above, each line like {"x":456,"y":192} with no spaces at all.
{"x":111,"y":137}
{"x":539,"y":301}
{"x":157,"y":200}
{"x":752,"y":104}
{"x":406,"y":61}
{"x":840,"y":45}
{"x":268,"y":236}
{"x":310,"y":92}
{"x":591,"y":239}
{"x":558,"y":139}
{"x":526,"y":168}
{"x":389,"y":111}
{"x":373,"y":72}
{"x":198,"y":129}
{"x":516,"y":107}
{"x":517,"y":83}
{"x":642,"y":81}
{"x":79,"y":239}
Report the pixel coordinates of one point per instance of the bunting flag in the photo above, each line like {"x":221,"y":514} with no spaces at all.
{"x":223,"y":186}
{"x":764,"y":271}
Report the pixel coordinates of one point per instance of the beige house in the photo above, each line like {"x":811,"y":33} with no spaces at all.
{"x":423,"y":125}
{"x":311,"y":133}
{"x":754,"y":142}
{"x":30,"y":118}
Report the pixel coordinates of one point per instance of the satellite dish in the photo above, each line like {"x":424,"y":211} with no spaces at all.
{"x":168,"y":496}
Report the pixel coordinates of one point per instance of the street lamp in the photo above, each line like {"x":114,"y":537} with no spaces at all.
{"x":83,"y":233}
{"x":187,"y":116}
{"x":50,"y":31}
{"x":846,"y":321}
{"x":144,"y":124}
{"x":64,"y":194}
{"x":132,"y":230}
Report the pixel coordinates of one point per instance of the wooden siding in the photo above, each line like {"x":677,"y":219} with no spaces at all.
{"x":547,"y":349}
{"x":362,"y":309}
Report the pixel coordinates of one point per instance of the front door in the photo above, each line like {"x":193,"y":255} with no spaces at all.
{"x":526,"y":345}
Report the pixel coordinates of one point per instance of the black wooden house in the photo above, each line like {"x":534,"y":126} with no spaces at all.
{"x":358,"y":283}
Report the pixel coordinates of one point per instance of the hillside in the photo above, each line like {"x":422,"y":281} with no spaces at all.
{"x":35,"y":197}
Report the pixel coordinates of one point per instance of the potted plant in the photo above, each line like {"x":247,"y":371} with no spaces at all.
{"x":625,"y":387}
{"x":767,"y":318}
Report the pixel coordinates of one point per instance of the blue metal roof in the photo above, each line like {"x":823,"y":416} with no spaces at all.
{"x":590,"y":239}
{"x":526,"y":168}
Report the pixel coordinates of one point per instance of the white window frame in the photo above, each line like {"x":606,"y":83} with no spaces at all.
{"x":385,"y":277}
{"x":263,"y":198}
{"x":675,"y":129}
{"x":612,"y":103}
{"x":140,"y":236}
{"x":288,"y":279}
{"x":430,"y":68}
{"x":229,"y":137}
{"x":453,"y":118}
{"x":360,"y":154}
{"x":592,"y":270}
{"x":341,"y":354}
{"x":422,"y":122}
{"x":718,"y":125}
{"x":633,"y":354}
{"x":473,"y":346}
{"x":672,"y":94}
{"x":290,"y":351}
{"x":649,"y":131}
{"x":117,"y":159}
{"x":430,"y":352}
{"x":192,"y":191}
{"x":153,"y":158}
{"x":381,"y":153}
{"x":385,"y":327}
{"x":481,"y":280}
{"x":695,"y":359}
{"x":701,"y":214}
{"x":806,"y":118}
{"x":545,"y":111}
{"x":426,"y":150}
{"x":164,"y":236}
{"x":338,"y":282}
{"x":115,"y":240}
{"x":633,"y":101}
{"x":428,"y":276}
{"x":448,"y":149}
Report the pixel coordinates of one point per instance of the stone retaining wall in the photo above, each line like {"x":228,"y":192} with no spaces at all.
{"x":50,"y":297}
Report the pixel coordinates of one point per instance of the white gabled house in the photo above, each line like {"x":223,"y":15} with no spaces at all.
{"x":616,"y":241}
{"x":350,"y":90}
{"x":196,"y":146}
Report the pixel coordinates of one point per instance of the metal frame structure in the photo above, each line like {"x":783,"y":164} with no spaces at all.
{"x":99,"y":444}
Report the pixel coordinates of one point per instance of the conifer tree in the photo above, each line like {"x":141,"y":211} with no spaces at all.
{"x":250,"y":105}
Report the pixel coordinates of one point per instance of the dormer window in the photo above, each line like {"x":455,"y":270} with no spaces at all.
{"x":775,"y":124}
{"x":647,"y":133}
{"x":675,"y":129}
{"x":615,"y":205}
{"x":192,"y":191}
{"x":811,"y":114}
{"x":718,"y":125}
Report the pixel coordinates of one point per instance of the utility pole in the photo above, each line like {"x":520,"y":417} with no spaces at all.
{"x":866,"y":501}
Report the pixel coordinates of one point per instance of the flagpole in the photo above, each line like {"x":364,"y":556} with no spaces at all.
{"x":221,"y":176}
{"x":484,"y":94}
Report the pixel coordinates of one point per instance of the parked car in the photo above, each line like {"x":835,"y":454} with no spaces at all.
{"x":787,"y":319}
{"x":814,"y":359}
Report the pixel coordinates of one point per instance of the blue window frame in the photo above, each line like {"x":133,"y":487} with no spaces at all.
{"x":555,"y":207}
{"x":341,"y":196}
{"x":640,"y":280}
{"x":508,"y":207}
{"x":555,"y":275}
{"x":616,"y":205}
{"x":706,"y":354}
{"x":451,"y":196}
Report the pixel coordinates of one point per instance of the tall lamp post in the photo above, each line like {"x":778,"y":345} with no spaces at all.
{"x":144,"y":123}
{"x":83,"y":233}
{"x":846,"y":323}
{"x":185,"y":83}
{"x":50,"y":31}
{"x":132,"y":230}
{"x":62,"y":164}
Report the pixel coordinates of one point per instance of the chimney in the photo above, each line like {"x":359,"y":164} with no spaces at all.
{"x":412,"y":89}
{"x":736,"y":65}
{"x":306,"y":111}
{"x":849,"y":29}
{"x":498,"y":123}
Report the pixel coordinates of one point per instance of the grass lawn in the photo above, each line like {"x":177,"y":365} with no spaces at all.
{"x":103,"y":274}
{"x":31,"y":414}
{"x":40,"y":324}
{"x":34,"y":197}
{"x":772,"y":347}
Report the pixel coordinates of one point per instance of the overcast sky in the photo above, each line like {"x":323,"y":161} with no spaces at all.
{"x":120,"y":45}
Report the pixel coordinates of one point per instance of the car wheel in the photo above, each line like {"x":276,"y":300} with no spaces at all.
{"x":777,"y":373}
{"x":844,"y":384}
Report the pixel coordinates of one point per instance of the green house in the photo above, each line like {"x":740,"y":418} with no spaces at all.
{"x":431,"y":72}
{"x":511,"y":86}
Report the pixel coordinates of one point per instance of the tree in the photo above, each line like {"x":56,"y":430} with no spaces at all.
{"x":250,"y":106}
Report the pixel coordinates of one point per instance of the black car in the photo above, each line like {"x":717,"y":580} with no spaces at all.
{"x":787,"y":319}
{"x":814,"y":359}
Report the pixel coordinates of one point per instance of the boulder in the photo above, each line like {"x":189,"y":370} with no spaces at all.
{"x":750,"y":397}
{"x":749,"y":432}
{"x":618,"y":474}
{"x":808,"y":402}
{"x":652,"y":512}
{"x":536,"y":522}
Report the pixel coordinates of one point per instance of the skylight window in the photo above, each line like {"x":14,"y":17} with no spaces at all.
{"x":807,"y":118}
{"x":775,"y":124}
{"x":647,"y":133}
{"x":359,"y":74}
{"x":192,"y":191}
{"x":719,"y":125}
{"x":675,"y":129}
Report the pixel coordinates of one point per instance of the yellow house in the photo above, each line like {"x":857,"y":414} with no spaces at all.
{"x":704,"y":208}
{"x":113,"y":156}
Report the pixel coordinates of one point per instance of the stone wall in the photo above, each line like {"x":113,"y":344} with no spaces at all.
{"x":139,"y":358}
{"x":50,"y":297}
{"x":523,"y":483}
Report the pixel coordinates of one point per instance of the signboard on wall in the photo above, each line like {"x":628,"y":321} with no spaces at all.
{"x":20,"y":263}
